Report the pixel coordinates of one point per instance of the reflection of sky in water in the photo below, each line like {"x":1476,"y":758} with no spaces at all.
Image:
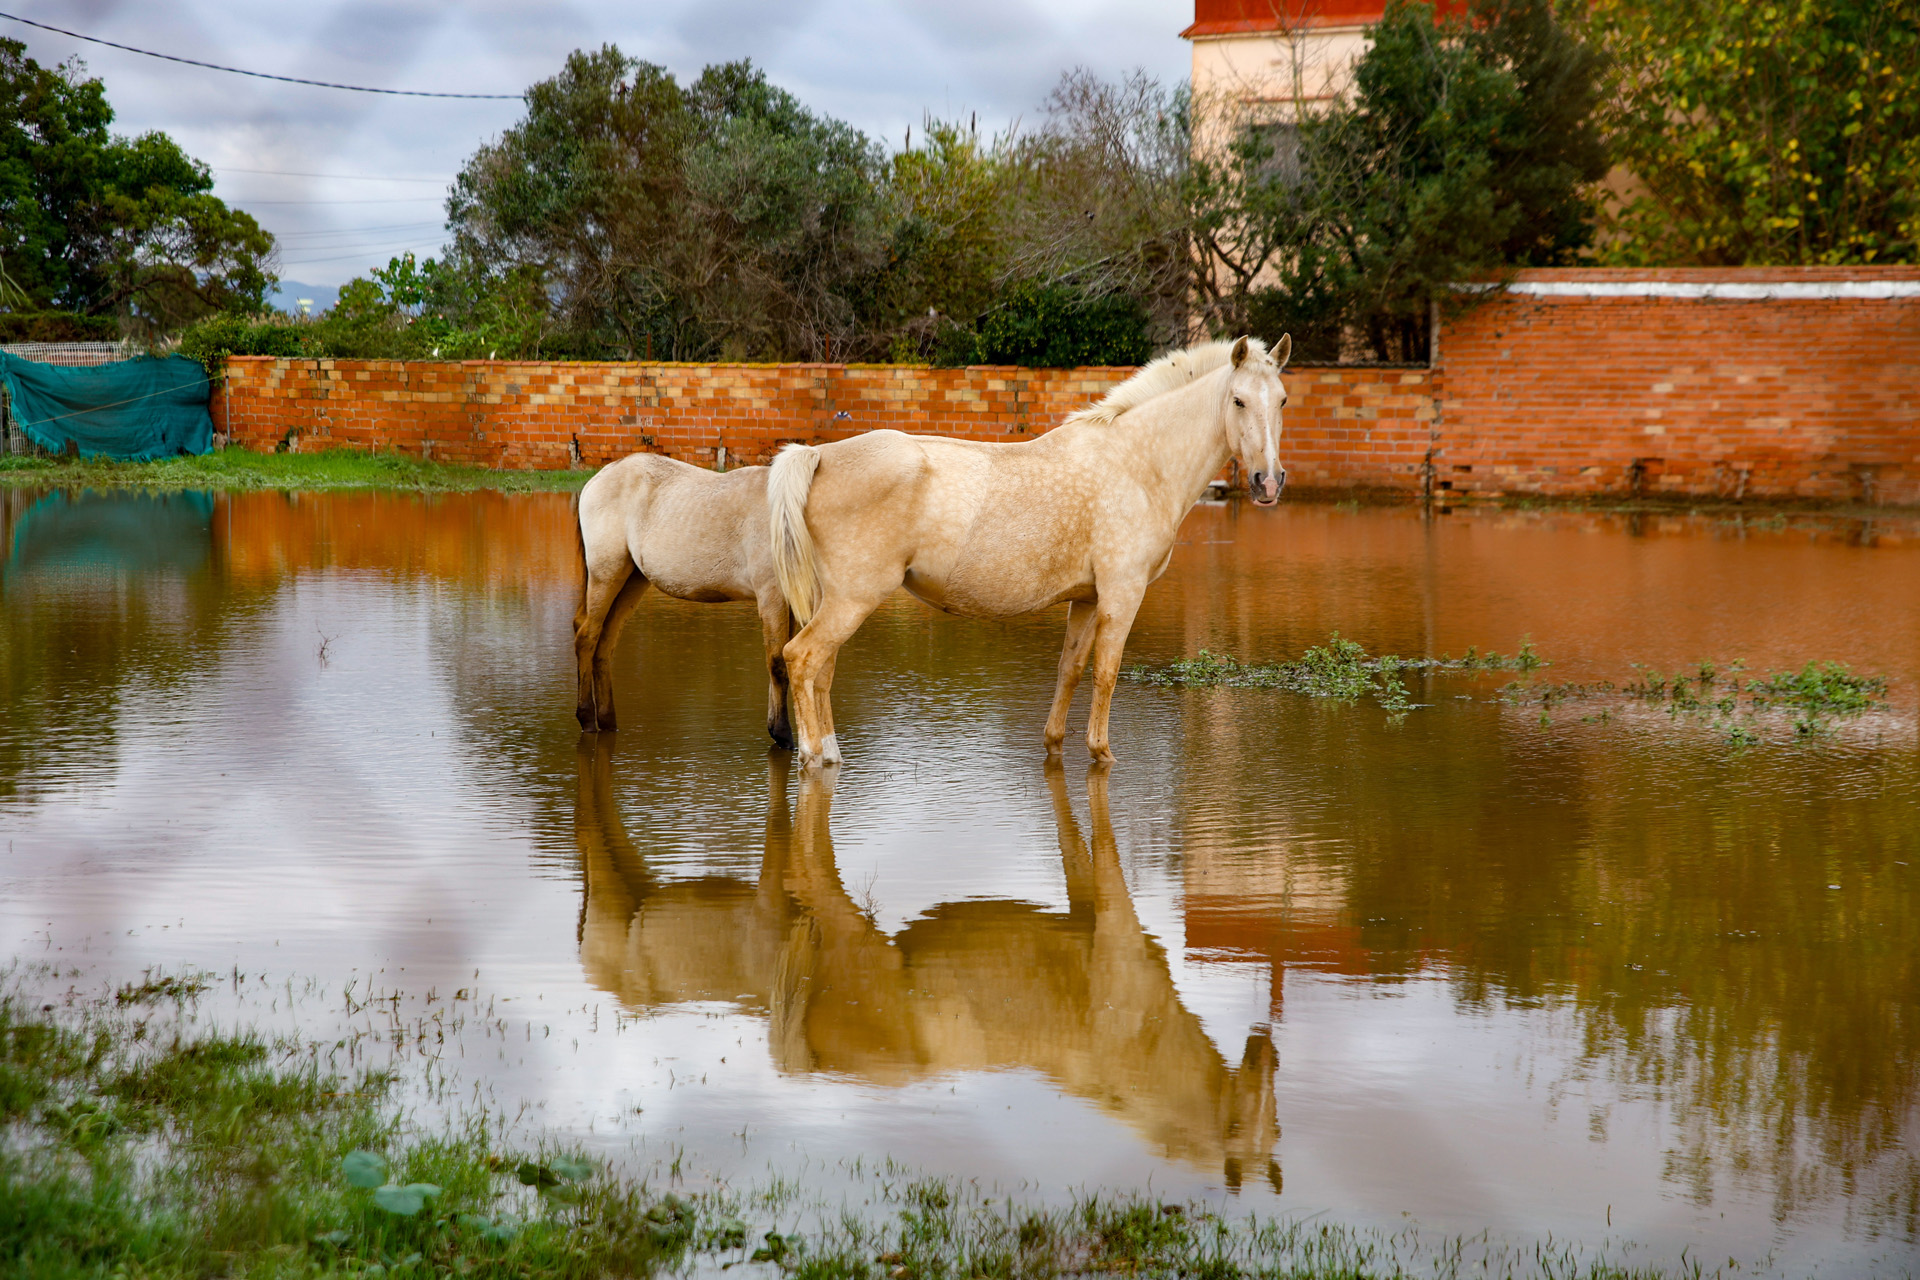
{"x":1467,"y":912}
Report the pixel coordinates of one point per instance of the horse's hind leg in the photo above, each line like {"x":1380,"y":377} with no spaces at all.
{"x":624,"y":603}
{"x":1073,"y":660}
{"x":605,"y":581}
{"x":775,"y":629}
{"x":810,"y":662}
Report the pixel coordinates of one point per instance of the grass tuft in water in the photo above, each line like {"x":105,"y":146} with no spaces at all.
{"x":1716,"y":694}
{"x":1340,"y":668}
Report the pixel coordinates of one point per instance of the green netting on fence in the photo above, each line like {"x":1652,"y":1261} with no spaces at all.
{"x":133,"y":409}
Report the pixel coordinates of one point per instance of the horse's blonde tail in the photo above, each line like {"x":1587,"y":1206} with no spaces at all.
{"x":794,"y":562}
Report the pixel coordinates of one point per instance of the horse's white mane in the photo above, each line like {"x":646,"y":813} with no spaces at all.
{"x":1169,"y":373}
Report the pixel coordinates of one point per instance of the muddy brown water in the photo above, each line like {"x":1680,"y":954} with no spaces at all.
{"x":1606,"y":977}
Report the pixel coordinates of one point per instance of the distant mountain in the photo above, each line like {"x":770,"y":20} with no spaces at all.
{"x":287,"y":297}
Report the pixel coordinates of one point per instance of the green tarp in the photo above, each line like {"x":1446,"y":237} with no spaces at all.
{"x":133,"y":409}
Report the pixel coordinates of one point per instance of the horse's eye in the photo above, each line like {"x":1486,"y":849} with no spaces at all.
{"x":1238,"y":403}
{"x":1283,"y":402}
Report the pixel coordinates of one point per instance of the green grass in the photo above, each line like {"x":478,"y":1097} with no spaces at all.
{"x":1340,"y":668}
{"x":137,"y":1141}
{"x":236,"y":468}
{"x":1716,"y":694}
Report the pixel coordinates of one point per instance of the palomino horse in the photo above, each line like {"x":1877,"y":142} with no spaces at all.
{"x":694,"y":534}
{"x":1086,"y":514}
{"x":1084,"y":997}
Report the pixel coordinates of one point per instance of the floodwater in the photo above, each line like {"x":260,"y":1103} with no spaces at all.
{"x":1604,"y":977}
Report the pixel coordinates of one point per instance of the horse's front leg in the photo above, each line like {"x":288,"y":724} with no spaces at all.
{"x":1115,"y":611}
{"x":1073,"y":660}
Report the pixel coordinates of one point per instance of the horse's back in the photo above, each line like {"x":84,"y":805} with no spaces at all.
{"x":695,"y":534}
{"x":975,"y":528}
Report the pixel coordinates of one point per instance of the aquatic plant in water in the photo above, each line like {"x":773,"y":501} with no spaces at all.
{"x":1716,"y":694}
{"x":1340,"y":669}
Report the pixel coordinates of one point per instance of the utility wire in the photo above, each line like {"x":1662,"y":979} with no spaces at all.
{"x":259,"y":75}
{"x":344,"y":177}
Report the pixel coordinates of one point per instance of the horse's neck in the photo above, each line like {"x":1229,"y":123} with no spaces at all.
{"x":1180,"y":438}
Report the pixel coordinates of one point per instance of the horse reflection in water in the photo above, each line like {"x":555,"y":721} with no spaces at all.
{"x":1084,"y":998}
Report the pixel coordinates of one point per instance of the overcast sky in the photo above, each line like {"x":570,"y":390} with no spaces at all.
{"x":878,"y":66}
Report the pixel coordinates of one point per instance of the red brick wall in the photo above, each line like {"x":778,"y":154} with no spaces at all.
{"x":1774,"y":397}
{"x":1344,"y":427}
{"x":1533,"y":393}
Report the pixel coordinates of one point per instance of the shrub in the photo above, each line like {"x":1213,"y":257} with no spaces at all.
{"x":1058,"y":327}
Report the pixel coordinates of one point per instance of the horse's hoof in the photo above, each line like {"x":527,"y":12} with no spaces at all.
{"x":782,"y":736}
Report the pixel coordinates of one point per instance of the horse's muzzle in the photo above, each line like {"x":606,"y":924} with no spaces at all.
{"x":1266,"y":488}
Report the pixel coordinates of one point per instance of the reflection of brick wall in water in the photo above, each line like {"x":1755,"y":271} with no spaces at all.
{"x":1595,"y":389}
{"x":517,"y":542}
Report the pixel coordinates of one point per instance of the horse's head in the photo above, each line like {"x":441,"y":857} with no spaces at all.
{"x":1251,"y":412}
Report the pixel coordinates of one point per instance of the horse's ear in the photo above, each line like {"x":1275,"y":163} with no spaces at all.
{"x":1284,"y":351}
{"x":1239,"y":352}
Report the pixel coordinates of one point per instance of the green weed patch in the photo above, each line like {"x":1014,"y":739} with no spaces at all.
{"x":1340,"y":669}
{"x":1718,"y":695}
{"x":236,"y":468}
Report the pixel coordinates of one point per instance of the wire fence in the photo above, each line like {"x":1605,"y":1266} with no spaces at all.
{"x":69,"y":353}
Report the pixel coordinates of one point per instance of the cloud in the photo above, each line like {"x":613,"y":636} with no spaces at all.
{"x":881,"y":67}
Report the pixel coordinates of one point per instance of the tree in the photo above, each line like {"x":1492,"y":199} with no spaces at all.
{"x":1097,"y":197}
{"x":588,"y":191}
{"x":946,"y":204}
{"x":723,"y":219}
{"x":787,"y":218}
{"x":1466,"y":149}
{"x":98,"y":224}
{"x":1783,"y":132}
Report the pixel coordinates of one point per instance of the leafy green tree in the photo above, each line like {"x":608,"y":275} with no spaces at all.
{"x":94,"y":223}
{"x":947,"y":242}
{"x":719,"y":219}
{"x":1467,"y":148}
{"x":786,"y":213}
{"x":589,"y":191}
{"x":1764,"y":133}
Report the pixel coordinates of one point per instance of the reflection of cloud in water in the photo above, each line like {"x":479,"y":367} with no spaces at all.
{"x":1083,"y":997}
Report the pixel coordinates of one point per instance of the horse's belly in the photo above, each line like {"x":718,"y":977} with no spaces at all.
{"x":705,"y":584}
{"x":1003,"y":600}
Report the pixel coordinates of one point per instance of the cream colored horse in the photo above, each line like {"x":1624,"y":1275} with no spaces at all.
{"x":1085,"y":514}
{"x":694,"y":534}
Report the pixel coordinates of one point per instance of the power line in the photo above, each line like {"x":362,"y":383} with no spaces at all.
{"x":397,"y":200}
{"x":258,"y":75}
{"x":346,"y":177}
